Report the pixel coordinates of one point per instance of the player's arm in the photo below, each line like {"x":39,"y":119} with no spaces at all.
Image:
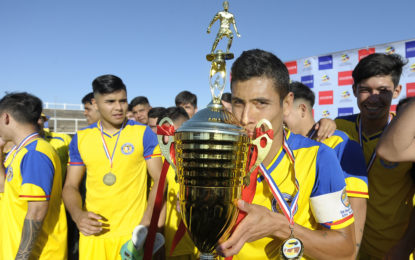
{"x":234,"y":27}
{"x":36,"y":212}
{"x":215,"y":18}
{"x":397,"y":143}
{"x":154,"y":166}
{"x":325,"y":128}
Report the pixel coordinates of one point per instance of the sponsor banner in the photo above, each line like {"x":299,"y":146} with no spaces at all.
{"x":344,"y":60}
{"x":325,"y":62}
{"x":410,"y":49}
{"x":292,"y":67}
{"x":410,"y":89}
{"x":308,"y":80}
{"x":307,"y":65}
{"x":365,"y":52}
{"x":393,"y":108}
{"x":345,"y":78}
{"x":326,"y":79}
{"x":345,"y":111}
{"x":325,"y":97}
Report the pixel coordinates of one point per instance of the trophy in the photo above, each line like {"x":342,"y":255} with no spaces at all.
{"x":210,"y":153}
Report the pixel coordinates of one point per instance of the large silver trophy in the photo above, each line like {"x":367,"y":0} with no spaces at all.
{"x":211,"y":154}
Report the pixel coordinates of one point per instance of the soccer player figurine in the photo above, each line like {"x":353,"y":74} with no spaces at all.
{"x":299,"y":204}
{"x":226,"y":19}
{"x":115,"y":153}
{"x":32,"y":219}
{"x":391,"y":189}
{"x":300,"y":120}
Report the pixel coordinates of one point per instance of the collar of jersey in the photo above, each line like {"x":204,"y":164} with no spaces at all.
{"x":103,"y":131}
{"x":278,"y":157}
{"x":371,"y":137}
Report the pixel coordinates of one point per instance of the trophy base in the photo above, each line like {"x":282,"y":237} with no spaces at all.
{"x":214,"y":56}
{"x":207,"y":256}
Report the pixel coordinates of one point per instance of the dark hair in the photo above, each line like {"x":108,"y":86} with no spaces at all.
{"x":403,"y":102}
{"x":22,"y":106}
{"x":174,"y":113}
{"x":186,"y":97}
{"x":157,"y":112}
{"x":88,"y":98}
{"x":259,"y":63}
{"x":379,"y":64}
{"x":140,"y":100}
{"x":227,"y":97}
{"x":302,"y":91}
{"x":107,"y":84}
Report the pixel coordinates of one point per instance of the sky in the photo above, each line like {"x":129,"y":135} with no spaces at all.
{"x":55,"y":49}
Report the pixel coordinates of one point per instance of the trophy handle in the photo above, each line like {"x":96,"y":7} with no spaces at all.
{"x":263,"y":145}
{"x":165,"y":147}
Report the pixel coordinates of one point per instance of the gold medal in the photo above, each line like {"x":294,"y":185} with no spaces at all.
{"x":109,"y":179}
{"x":292,"y":248}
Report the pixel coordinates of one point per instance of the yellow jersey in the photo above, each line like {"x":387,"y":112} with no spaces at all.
{"x":391,"y":191}
{"x":60,"y":142}
{"x":173,"y":217}
{"x":123,"y":203}
{"x":322,"y":197}
{"x":33,"y":173}
{"x":352,"y":162}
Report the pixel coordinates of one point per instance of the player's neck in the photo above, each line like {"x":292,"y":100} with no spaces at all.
{"x":307,"y":126}
{"x":109,"y":127}
{"x":275,"y":147}
{"x":21,"y":132}
{"x":372,"y":126}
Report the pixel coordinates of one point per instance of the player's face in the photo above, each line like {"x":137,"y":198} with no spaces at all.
{"x":152,"y":123}
{"x":91,"y":113}
{"x":112,"y":107}
{"x":141,"y":113}
{"x":256,"y":99}
{"x":190,"y":109}
{"x":374,"y":96}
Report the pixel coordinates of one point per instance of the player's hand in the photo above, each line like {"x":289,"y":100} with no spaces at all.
{"x":258,"y":223}
{"x":88,"y":223}
{"x":325,"y":128}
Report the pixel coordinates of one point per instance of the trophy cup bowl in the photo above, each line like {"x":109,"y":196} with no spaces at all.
{"x":211,"y":163}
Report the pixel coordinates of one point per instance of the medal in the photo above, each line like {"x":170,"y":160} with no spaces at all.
{"x":109,"y":179}
{"x":292,"y":248}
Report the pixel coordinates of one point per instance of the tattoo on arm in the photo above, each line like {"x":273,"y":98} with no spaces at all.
{"x":30,"y":232}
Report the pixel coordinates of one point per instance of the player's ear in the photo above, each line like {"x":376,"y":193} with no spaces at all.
{"x":303,"y":109}
{"x":287,"y":103}
{"x":397,"y":91}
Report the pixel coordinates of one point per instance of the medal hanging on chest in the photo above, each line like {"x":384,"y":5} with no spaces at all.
{"x":291,"y":248}
{"x":110,"y":178}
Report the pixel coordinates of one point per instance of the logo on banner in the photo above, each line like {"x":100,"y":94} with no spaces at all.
{"x":292,"y":67}
{"x":345,"y":97}
{"x":365,"y":52}
{"x":325,"y":113}
{"x":325,"y":62}
{"x":345,"y":111}
{"x":325,"y":97}
{"x":307,"y":65}
{"x":390,"y":50}
{"x":325,"y":80}
{"x":308,"y":80}
{"x":410,"y":49}
{"x":410,"y":89}
{"x":345,"y":58}
{"x":345,"y":78}
{"x":411,"y":70}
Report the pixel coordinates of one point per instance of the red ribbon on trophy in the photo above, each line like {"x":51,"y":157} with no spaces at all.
{"x":164,"y":130}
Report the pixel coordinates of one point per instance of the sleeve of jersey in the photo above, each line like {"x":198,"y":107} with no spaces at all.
{"x":74,"y":155}
{"x":150,"y":144}
{"x":354,"y":167}
{"x":37,"y":172}
{"x":328,"y":201}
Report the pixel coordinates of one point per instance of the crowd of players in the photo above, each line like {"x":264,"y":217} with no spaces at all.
{"x":65,"y":197}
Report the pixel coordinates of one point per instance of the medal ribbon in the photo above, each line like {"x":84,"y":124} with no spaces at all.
{"x":22,"y":143}
{"x":373,"y":156}
{"x":286,"y":209}
{"x":110,"y":157}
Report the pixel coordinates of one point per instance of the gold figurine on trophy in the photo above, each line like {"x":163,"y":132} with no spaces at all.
{"x":226,"y":19}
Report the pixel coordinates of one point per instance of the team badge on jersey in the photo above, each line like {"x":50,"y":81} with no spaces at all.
{"x":345,"y":199}
{"x":9,"y":175}
{"x":276,"y":207}
{"x":127,"y":148}
{"x":388,"y":165}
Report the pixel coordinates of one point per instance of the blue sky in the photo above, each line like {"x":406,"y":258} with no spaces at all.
{"x":54,"y":49}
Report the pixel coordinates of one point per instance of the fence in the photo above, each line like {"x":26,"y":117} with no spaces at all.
{"x":66,"y":125}
{"x":63,"y":106}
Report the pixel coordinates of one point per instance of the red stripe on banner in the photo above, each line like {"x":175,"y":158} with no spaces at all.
{"x":357,"y":192}
{"x":340,"y":221}
{"x":31,"y":196}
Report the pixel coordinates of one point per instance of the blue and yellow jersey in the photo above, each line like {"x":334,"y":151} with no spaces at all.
{"x":33,"y":175}
{"x":60,"y":142}
{"x":123,"y":203}
{"x":352,"y":162}
{"x":186,"y":245}
{"x":391,"y":190}
{"x":322,"y":199}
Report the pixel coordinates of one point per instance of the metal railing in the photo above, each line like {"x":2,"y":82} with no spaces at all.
{"x":63,"y":106}
{"x":58,"y":129}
